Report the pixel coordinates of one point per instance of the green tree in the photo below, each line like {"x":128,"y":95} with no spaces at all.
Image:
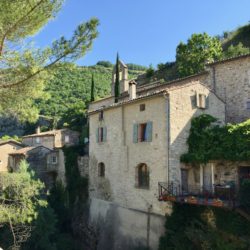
{"x":150,"y":71}
{"x":236,"y":50}
{"x":117,"y":82}
{"x":23,"y":68}
{"x":21,"y":199}
{"x":199,"y":50}
{"x":92,"y":97}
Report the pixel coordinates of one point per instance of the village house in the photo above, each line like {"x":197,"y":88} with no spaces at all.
{"x":43,"y":151}
{"x":136,"y":144}
{"x":52,"y":139}
{"x":7,"y":147}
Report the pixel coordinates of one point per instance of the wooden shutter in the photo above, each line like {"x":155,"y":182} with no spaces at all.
{"x":104,"y":134}
{"x":193,"y":101}
{"x":135,"y":133}
{"x":197,"y":100}
{"x":207,"y":102}
{"x":149,"y":128}
{"x":97,"y":135}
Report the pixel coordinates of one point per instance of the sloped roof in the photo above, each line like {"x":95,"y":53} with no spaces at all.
{"x":48,"y":133}
{"x":3,"y":142}
{"x":24,"y":151}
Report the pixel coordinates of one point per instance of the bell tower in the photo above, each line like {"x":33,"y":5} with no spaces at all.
{"x":123,"y":78}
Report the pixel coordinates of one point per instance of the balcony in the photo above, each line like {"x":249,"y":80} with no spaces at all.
{"x":216,"y":195}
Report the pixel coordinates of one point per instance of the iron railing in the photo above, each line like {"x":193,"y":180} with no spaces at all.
{"x":196,"y":194}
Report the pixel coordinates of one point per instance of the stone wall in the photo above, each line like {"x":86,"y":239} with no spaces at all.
{"x":231,"y":81}
{"x":124,"y":229}
{"x":5,"y":149}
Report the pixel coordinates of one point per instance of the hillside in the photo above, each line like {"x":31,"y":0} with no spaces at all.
{"x":69,"y":90}
{"x":241,"y":34}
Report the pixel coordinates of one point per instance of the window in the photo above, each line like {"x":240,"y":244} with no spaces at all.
{"x":1,"y":162}
{"x":143,"y":176}
{"x":101,"y":116}
{"x":142,"y":132}
{"x":199,"y":101}
{"x":38,"y":140}
{"x":54,"y":159}
{"x":142,"y":107}
{"x":248,"y":105}
{"x":101,"y":134}
{"x":101,"y":169}
{"x":66,"y":138}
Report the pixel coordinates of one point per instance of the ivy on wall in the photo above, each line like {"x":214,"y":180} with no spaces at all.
{"x":209,"y":141}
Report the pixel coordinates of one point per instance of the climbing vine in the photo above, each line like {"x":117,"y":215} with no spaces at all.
{"x":209,"y":141}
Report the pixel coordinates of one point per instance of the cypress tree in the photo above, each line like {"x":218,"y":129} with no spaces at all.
{"x":117,"y":83}
{"x":92,"y":95}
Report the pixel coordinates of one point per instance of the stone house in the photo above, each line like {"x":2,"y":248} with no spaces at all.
{"x":6,"y":147}
{"x":137,"y":143}
{"x":52,"y":139}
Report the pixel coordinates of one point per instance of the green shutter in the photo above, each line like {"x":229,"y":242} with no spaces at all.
{"x":149,"y":128}
{"x":104,"y":134}
{"x":207,"y":102}
{"x":97,"y":135}
{"x":135,"y":133}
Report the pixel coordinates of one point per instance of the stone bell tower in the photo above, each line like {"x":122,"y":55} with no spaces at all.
{"x":123,"y":78}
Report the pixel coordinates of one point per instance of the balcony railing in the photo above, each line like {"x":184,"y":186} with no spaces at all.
{"x":216,"y":195}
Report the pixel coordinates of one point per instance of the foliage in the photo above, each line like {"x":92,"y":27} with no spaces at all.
{"x":132,"y":66}
{"x":24,"y":208}
{"x":24,"y":69}
{"x":7,"y":137}
{"x":117,"y":77}
{"x":193,"y":227}
{"x":208,"y":141}
{"x":244,"y":195}
{"x":106,"y":64}
{"x":199,"y":50}
{"x":236,"y":50}
{"x":239,"y":35}
{"x":150,"y":71}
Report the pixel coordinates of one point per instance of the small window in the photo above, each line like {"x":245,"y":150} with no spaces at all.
{"x":143,"y":176}
{"x":38,"y":140}
{"x":142,"y":132}
{"x":1,"y":162}
{"x":54,"y":159}
{"x":248,"y":105}
{"x":101,"y":169}
{"x":101,"y":134}
{"x":66,"y":138}
{"x":142,"y":107}
{"x":101,"y":116}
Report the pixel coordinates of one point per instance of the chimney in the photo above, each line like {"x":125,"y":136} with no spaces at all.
{"x":132,"y":90}
{"x":38,"y":130}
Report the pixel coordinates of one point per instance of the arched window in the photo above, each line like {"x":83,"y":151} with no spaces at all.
{"x":143,"y":176}
{"x":101,"y":169}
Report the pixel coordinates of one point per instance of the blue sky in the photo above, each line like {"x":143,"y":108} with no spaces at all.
{"x":144,"y":31}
